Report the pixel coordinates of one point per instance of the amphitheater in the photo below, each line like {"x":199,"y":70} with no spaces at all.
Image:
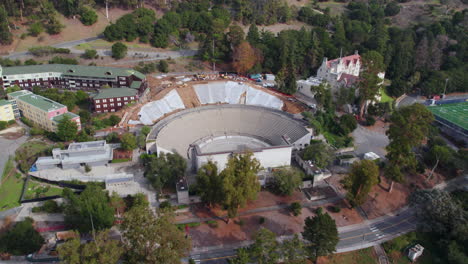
{"x":218,"y":92}
{"x":214,"y":132}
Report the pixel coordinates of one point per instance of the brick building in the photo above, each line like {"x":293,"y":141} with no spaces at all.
{"x":121,"y":84}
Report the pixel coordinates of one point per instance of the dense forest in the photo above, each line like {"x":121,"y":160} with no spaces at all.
{"x":418,"y":59}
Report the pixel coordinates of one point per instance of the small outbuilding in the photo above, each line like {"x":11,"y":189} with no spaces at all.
{"x":415,"y":252}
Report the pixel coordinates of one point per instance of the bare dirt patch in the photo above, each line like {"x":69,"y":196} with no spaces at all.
{"x":12,"y":133}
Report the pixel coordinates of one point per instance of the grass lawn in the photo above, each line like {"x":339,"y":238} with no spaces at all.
{"x":10,"y":188}
{"x":385,"y":97}
{"x":363,"y":256}
{"x":397,"y":248}
{"x":37,"y":189}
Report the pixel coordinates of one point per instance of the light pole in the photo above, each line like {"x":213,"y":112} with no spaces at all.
{"x":445,"y":88}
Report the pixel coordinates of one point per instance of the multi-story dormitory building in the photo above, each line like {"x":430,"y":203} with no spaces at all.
{"x":42,"y":111}
{"x":115,"y":82}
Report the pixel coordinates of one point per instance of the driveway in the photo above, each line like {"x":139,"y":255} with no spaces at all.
{"x":366,"y":140}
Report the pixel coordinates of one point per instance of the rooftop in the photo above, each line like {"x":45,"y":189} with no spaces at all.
{"x":86,"y":145}
{"x":19,"y":93}
{"x":4,"y":102}
{"x":74,"y":70}
{"x":40,"y":102}
{"x":60,"y":117}
{"x":346,"y":60}
{"x":115,"y":92}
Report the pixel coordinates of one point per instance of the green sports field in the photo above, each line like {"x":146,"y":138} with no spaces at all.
{"x":453,"y":113}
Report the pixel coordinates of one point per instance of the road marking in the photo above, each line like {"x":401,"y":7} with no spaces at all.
{"x":369,"y":233}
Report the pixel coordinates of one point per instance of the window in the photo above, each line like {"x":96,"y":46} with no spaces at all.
{"x":118,"y":99}
{"x":98,"y":106}
{"x":104,"y":100}
{"x":111,"y":100}
{"x":111,"y":105}
{"x":132,"y":98}
{"x":125,"y":98}
{"x":105,"y":105}
{"x":119,"y":104}
{"x":97,"y":101}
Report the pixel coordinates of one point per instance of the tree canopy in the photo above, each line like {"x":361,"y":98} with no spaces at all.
{"x":164,"y":169}
{"x":321,"y":233}
{"x":101,"y":250}
{"x":119,"y":50}
{"x":128,"y":141}
{"x":89,"y":209}
{"x":240,"y":183}
{"x":210,"y":184}
{"x":22,"y":239}
{"x":67,"y":129}
{"x":286,"y":180}
{"x":319,"y":153}
{"x":362,"y":177}
{"x":151,"y":239}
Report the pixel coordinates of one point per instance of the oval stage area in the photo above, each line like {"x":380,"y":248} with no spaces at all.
{"x":215,"y":132}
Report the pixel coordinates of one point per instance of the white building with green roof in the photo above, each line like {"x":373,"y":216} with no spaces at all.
{"x":40,"y":110}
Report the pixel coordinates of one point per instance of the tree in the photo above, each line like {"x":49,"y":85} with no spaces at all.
{"x":322,"y":93}
{"x":145,"y":130}
{"x":88,"y":16}
{"x":253,"y":36}
{"x":240,"y":182}
{"x":296,"y":208}
{"x":348,"y":123}
{"x":322,"y":234}
{"x":293,"y":251}
{"x":35,"y":29}
{"x":370,"y":83}
{"x":163,"y":66}
{"x":101,"y":250}
{"x":242,"y":257}
{"x":439,"y":154}
{"x":164,"y":169}
{"x":286,"y":180}
{"x":6,"y":38}
{"x":439,"y":213}
{"x":119,"y":50}
{"x":87,"y":210}
{"x":319,"y":153}
{"x":236,"y":35}
{"x":362,"y":177}
{"x":150,"y":239}
{"x":67,"y":129}
{"x":114,"y":120}
{"x":392,"y":9}
{"x":128,"y":141}
{"x":22,"y":239}
{"x":243,"y":58}
{"x":409,"y":127}
{"x":265,"y":247}
{"x":209,"y":184}
{"x":90,"y":54}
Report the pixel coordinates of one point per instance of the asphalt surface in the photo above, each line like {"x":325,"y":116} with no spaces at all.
{"x":8,"y":148}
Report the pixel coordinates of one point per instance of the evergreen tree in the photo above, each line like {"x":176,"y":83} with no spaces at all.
{"x":210,"y":184}
{"x":264,"y":250}
{"x":6,"y":38}
{"x":321,"y":233}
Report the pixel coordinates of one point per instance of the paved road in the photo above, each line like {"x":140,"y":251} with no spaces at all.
{"x":354,"y":237}
{"x":17,"y":55}
{"x":8,"y":148}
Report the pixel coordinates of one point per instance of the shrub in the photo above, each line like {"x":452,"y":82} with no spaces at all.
{"x":36,"y":131}
{"x":370,"y":121}
{"x":26,"y":121}
{"x":87,"y":168}
{"x":241,"y":222}
{"x":335,"y":209}
{"x":62,"y":60}
{"x":49,"y":206}
{"x":165,"y":204}
{"x":191,"y":261}
{"x":296,"y":208}
{"x":261,"y":220}
{"x":392,"y":9}
{"x":88,"y":16}
{"x":163,"y":66}
{"x":90,"y":54}
{"x":47,"y":50}
{"x":3,"y":125}
{"x":119,"y":51}
{"x":35,"y":29}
